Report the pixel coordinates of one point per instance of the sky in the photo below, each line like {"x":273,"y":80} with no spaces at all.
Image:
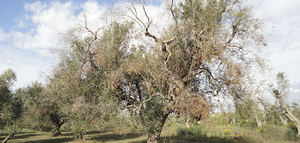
{"x":31,"y":31}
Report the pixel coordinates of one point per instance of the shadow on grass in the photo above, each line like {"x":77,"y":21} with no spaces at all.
{"x":87,"y":133}
{"x":52,"y":140}
{"x":18,"y":136}
{"x":22,"y":136}
{"x":143,"y":141}
{"x":114,"y":137}
{"x":205,"y":139}
{"x":66,"y":134}
{"x":95,"y":132}
{"x":26,"y":132}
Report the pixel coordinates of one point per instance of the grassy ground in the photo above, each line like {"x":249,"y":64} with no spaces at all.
{"x":90,"y":137}
{"x":213,"y":133}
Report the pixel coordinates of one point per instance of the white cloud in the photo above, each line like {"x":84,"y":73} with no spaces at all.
{"x":294,"y":95}
{"x":95,"y":14}
{"x":3,"y":36}
{"x":27,"y":65}
{"x":287,"y":61}
{"x":50,"y":22}
{"x":281,"y":23}
{"x":29,"y":53}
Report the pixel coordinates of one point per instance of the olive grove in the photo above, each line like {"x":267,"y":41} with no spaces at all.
{"x":125,"y":70}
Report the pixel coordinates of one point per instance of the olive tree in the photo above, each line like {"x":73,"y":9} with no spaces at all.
{"x":200,"y":55}
{"x":281,"y":92}
{"x":10,"y":105}
{"x":80,"y":85}
{"x":41,"y":108}
{"x":205,"y":51}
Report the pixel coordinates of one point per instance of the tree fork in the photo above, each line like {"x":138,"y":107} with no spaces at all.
{"x":79,"y":136}
{"x":57,"y":132}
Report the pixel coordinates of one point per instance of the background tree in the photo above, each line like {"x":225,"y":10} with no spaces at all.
{"x":10,"y":105}
{"x":41,"y":108}
{"x":80,"y":85}
{"x":280,"y":92}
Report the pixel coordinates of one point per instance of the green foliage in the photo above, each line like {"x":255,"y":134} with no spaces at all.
{"x":246,"y":122}
{"x":7,"y":78}
{"x":219,"y":119}
{"x":184,"y":131}
{"x":195,"y":131}
{"x":42,"y":112}
{"x":174,"y":121}
{"x":111,"y":54}
{"x":152,"y":116}
{"x":78,"y":90}
{"x":14,"y":129}
{"x":273,"y":117}
{"x":10,"y":105}
{"x":291,"y":133}
{"x":77,"y":126}
{"x":261,"y":130}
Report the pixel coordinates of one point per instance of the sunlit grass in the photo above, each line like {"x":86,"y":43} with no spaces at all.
{"x":213,"y":134}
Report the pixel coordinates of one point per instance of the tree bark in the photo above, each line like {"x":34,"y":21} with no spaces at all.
{"x":79,"y":136}
{"x":56,"y":131}
{"x":154,"y":136}
{"x":8,"y":138}
{"x":287,"y":112}
{"x":283,"y":119}
{"x":188,"y":120}
{"x":232,"y":120}
{"x":260,"y":122}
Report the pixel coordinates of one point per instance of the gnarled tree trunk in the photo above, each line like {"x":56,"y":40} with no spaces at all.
{"x":260,"y":122}
{"x":232,"y":121}
{"x":8,"y":138}
{"x":188,"y":121}
{"x":58,"y":125}
{"x":260,"y":119}
{"x":287,"y":112}
{"x":154,"y":136}
{"x":56,"y":132}
{"x":79,"y":136}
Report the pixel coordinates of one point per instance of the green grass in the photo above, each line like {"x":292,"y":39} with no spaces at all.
{"x":94,"y":136}
{"x":209,"y":132}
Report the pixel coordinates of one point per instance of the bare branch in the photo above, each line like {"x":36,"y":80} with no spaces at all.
{"x":94,"y":34}
{"x":173,"y":14}
{"x":147,"y":24}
